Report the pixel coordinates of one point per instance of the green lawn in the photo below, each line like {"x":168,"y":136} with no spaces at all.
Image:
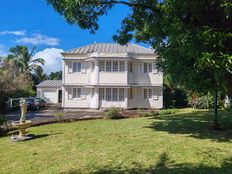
{"x":181,"y":143}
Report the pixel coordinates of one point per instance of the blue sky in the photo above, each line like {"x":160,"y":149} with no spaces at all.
{"x":34,"y":23}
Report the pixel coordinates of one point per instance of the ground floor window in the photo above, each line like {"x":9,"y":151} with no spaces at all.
{"x":130,"y":93}
{"x":147,"y":93}
{"x":76,"y":92}
{"x":111,"y":94}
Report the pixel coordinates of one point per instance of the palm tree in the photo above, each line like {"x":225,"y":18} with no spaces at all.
{"x":24,"y":62}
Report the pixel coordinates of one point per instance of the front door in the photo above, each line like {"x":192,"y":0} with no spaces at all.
{"x":60,"y":96}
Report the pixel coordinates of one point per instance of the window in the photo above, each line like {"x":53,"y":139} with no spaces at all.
{"x":130,"y":67}
{"x":108,"y":94}
{"x":115,"y":94}
{"x":121,"y":66}
{"x":101,"y":94}
{"x":147,"y":93}
{"x":150,"y":93}
{"x":147,"y":67}
{"x":155,"y":94}
{"x":115,"y":65}
{"x":102,"y":65}
{"x":108,"y":65}
{"x":76,"y":92}
{"x":130,"y":93}
{"x":121,"y":94}
{"x":77,"y":67}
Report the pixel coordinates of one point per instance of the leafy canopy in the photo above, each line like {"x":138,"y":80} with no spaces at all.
{"x":193,"y":38}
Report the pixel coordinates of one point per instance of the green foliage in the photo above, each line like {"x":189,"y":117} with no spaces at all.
{"x":174,"y":97}
{"x":148,"y":114}
{"x":192,"y":38}
{"x":169,"y":111}
{"x":55,"y":75}
{"x":206,"y":101}
{"x":113,"y":113}
{"x":3,"y":120}
{"x":59,"y":116}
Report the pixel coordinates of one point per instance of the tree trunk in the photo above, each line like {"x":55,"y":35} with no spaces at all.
{"x":216,"y":125}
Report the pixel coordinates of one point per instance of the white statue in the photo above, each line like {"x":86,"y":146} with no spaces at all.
{"x":23,"y":106}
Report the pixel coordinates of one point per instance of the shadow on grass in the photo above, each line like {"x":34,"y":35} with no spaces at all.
{"x":164,"y":166}
{"x":197,"y":124}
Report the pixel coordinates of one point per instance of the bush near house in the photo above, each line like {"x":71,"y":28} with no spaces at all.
{"x":113,"y":113}
{"x":3,"y":121}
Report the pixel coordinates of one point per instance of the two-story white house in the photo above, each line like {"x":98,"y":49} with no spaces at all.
{"x":105,"y":75}
{"x":111,"y":75}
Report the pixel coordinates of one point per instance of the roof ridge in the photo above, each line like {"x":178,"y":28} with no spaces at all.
{"x":110,"y":47}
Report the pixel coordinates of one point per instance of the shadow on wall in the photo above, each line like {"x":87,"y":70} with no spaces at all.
{"x":164,"y":166}
{"x":196,"y":124}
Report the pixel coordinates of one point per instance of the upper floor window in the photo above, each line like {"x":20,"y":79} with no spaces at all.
{"x":102,"y":66}
{"x":112,"y":66}
{"x":115,"y":65}
{"x":77,"y":67}
{"x":121,"y":66}
{"x":147,"y":67}
{"x":108,"y":65}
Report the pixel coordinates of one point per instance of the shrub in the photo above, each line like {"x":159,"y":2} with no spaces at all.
{"x":113,"y":113}
{"x":168,"y":111}
{"x":148,"y":114}
{"x":3,"y":126}
{"x":59,"y":116}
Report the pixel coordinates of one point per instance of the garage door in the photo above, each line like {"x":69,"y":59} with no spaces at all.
{"x":50,"y":96}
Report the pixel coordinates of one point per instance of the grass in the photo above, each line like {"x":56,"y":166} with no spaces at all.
{"x":181,"y":143}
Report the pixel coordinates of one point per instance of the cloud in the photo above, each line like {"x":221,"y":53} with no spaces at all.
{"x":16,"y":33}
{"x":3,"y":51}
{"x":39,"y":39}
{"x":52,"y":57}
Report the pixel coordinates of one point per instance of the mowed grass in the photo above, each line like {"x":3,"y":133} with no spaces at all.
{"x":181,"y":143}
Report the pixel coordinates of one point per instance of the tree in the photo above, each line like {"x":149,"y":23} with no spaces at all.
{"x":55,"y":75}
{"x":25,"y":63}
{"x":12,"y":83}
{"x":192,"y":38}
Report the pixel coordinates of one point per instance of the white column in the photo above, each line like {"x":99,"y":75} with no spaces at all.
{"x":126,"y":97}
{"x":96,"y":72}
{"x":96,"y":98}
{"x":126,"y":72}
{"x":63,"y":97}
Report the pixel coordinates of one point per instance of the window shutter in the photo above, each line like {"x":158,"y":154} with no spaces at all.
{"x":83,"y":96}
{"x":70,"y":95}
{"x":70,"y":67}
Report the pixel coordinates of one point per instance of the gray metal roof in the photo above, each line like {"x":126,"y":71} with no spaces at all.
{"x":50,"y":83}
{"x":110,"y":48}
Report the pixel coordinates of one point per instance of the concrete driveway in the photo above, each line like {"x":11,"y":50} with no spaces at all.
{"x":47,"y":116}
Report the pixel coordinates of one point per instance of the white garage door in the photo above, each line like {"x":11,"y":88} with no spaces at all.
{"x":50,"y":96}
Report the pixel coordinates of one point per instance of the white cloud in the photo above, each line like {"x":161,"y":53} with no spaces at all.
{"x":39,"y":39}
{"x":16,"y":33}
{"x":52,"y":59}
{"x":3,"y":51}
